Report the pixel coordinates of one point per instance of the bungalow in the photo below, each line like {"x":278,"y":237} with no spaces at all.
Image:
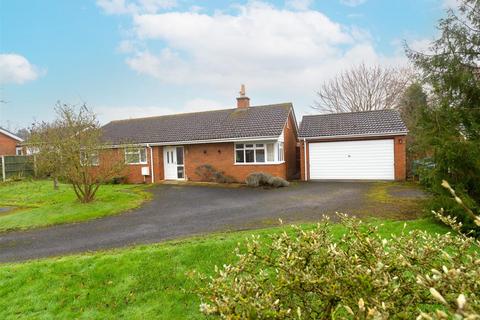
{"x":237,"y":141}
{"x":368,"y":145}
{"x":9,"y":143}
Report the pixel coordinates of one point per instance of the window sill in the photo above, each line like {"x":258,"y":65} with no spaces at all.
{"x":259,"y":163}
{"x":136,"y":164}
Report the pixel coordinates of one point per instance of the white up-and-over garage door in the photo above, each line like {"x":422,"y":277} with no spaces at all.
{"x":363,"y":159}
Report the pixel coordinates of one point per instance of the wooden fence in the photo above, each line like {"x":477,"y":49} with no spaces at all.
{"x":16,"y":166}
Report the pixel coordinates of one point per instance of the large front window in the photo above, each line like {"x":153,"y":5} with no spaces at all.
{"x":136,"y":155}
{"x":257,"y":153}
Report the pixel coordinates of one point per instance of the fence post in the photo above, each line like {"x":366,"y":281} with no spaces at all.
{"x":35,"y":165}
{"x":3,"y":169}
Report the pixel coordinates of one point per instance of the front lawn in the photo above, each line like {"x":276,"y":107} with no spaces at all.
{"x":143,"y":282}
{"x":36,"y":204}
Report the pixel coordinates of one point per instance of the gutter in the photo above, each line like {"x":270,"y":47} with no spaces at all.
{"x":386,"y":134}
{"x":187,"y":142}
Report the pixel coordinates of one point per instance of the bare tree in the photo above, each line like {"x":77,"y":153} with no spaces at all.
{"x":70,"y":148}
{"x":363,"y":88}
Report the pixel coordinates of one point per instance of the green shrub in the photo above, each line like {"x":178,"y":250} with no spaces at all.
{"x":208,"y":173}
{"x":310,"y":275}
{"x":258,"y":179}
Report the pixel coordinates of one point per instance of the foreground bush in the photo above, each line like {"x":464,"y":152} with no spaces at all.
{"x":459,"y":212}
{"x":309,"y":275}
{"x":258,"y":179}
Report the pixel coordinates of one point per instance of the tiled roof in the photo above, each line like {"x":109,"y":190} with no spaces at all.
{"x":259,"y":121}
{"x":352,"y":123}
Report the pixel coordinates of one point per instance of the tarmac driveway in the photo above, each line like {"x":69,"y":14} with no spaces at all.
{"x":180,"y":211}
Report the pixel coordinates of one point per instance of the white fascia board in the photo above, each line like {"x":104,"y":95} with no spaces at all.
{"x":400,"y":133}
{"x":176,"y":143}
{"x":11,"y":135}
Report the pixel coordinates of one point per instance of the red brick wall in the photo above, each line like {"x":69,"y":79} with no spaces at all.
{"x":157,"y":163}
{"x":133,"y":172}
{"x":196,"y":155}
{"x":7,"y":145}
{"x":399,"y":155}
{"x":290,"y":147}
{"x":221,"y":156}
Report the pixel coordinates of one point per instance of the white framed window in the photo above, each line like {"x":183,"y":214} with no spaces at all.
{"x":280,"y":151}
{"x":91,"y":159}
{"x":270,"y":152}
{"x":19,"y":151}
{"x":32,"y":150}
{"x":136,"y":155}
{"x":257,"y":153}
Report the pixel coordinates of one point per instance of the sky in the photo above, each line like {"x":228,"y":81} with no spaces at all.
{"x":135,"y":58}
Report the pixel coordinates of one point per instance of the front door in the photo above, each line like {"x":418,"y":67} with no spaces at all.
{"x":173,"y":163}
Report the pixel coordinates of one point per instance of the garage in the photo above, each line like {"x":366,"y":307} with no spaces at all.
{"x":356,"y":160}
{"x":369,"y":145}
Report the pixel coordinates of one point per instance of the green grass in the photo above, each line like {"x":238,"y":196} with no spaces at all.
{"x":38,"y":205}
{"x":143,"y":282}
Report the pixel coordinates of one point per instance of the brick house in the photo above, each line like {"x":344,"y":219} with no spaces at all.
{"x":9,"y":143}
{"x":237,"y":141}
{"x":367,"y":145}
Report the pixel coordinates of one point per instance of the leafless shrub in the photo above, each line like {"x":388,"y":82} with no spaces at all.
{"x":258,"y":179}
{"x":208,"y":173}
{"x":71,"y":149}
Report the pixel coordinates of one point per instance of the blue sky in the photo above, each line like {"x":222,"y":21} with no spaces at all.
{"x":130,"y":58}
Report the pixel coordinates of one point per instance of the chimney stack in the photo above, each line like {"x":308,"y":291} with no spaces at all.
{"x":243,"y":101}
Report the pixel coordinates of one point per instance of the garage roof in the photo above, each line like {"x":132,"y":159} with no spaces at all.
{"x":365,"y":123}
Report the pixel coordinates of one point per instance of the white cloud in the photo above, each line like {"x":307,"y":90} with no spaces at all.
{"x":421,"y":45}
{"x":254,"y":46}
{"x":135,"y":7}
{"x":108,"y":113}
{"x":196,"y":8}
{"x":126,"y":46}
{"x":281,"y":54}
{"x":298,"y":4}
{"x":115,"y":6}
{"x":200,"y":104}
{"x":15,"y":68}
{"x":450,"y":4}
{"x":352,"y":3}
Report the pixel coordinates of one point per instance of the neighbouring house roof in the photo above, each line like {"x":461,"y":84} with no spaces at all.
{"x":366,"y":123}
{"x":11,"y":135}
{"x":259,"y":121}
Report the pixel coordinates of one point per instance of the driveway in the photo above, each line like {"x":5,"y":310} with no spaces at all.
{"x":180,"y":211}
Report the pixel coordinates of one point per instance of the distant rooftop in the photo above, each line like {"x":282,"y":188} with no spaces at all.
{"x":10,"y":134}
